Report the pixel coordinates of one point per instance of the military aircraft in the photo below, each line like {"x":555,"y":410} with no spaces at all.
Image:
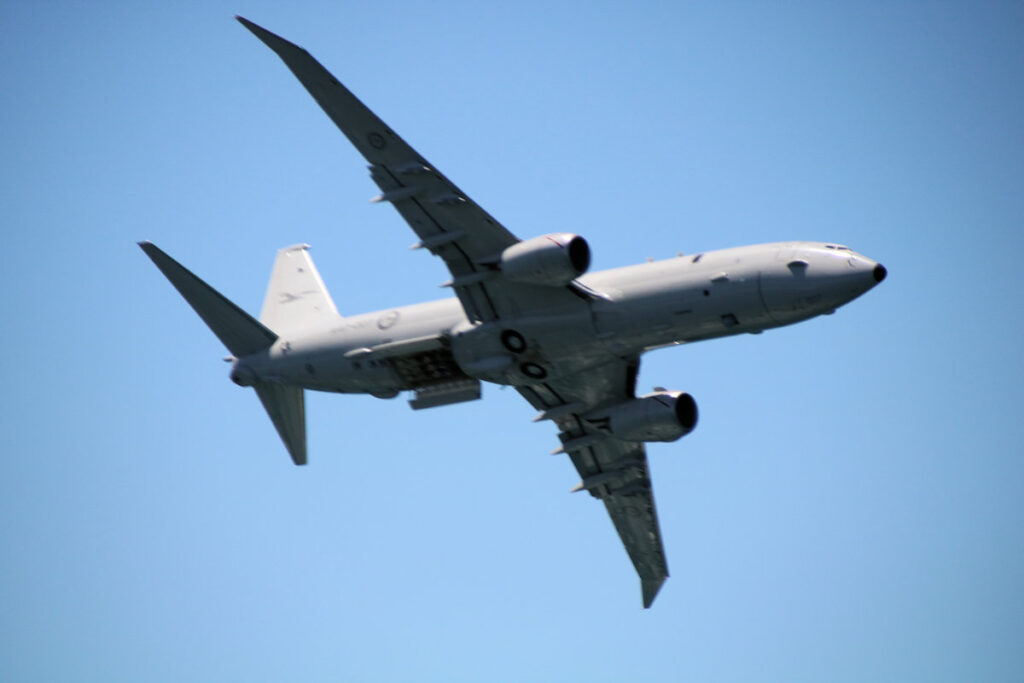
{"x":526,"y":313}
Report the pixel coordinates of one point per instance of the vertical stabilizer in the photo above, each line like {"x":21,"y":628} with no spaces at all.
{"x":296,"y":296}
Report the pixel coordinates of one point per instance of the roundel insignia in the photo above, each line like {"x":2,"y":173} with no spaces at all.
{"x":377,"y":141}
{"x":387,"y":320}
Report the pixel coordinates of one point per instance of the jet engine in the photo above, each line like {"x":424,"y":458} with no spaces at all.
{"x":662,"y":416}
{"x":554,"y":259}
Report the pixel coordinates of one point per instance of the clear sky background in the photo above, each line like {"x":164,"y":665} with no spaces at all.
{"x":850,"y":507}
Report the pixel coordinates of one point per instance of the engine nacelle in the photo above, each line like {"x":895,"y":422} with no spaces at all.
{"x":554,"y":259}
{"x":662,"y":416}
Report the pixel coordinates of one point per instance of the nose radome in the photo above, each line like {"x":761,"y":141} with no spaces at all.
{"x":880,"y":272}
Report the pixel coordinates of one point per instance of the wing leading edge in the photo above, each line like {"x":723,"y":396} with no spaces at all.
{"x":447,"y":222}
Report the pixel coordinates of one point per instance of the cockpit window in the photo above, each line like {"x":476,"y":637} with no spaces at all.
{"x":838,"y":247}
{"x":696,"y":258}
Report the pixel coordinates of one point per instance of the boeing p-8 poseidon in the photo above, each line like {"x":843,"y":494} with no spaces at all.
{"x":526,"y":313}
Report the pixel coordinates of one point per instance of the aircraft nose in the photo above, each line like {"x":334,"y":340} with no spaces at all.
{"x":880,"y":272}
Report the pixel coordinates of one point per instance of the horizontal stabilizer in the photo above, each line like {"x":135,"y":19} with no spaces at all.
{"x":286,"y":407}
{"x":238,"y":331}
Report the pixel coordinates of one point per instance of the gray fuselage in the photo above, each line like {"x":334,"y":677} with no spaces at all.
{"x":633,"y":309}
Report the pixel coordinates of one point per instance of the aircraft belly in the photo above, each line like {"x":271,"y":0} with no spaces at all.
{"x":528,"y":349}
{"x":379,"y":353}
{"x":331,"y":371}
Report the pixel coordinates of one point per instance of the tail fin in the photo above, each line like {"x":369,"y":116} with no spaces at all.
{"x":234,"y":327}
{"x":243,"y":335}
{"x":296,"y":296}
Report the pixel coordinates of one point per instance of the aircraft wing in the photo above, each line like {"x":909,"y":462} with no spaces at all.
{"x":452,"y":226}
{"x":447,"y":222}
{"x":612,"y":470}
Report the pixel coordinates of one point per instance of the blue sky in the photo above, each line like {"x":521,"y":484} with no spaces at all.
{"x":849,"y":509}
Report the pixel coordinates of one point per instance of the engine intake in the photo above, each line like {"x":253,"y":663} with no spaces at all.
{"x":554,"y":259}
{"x":662,"y":416}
